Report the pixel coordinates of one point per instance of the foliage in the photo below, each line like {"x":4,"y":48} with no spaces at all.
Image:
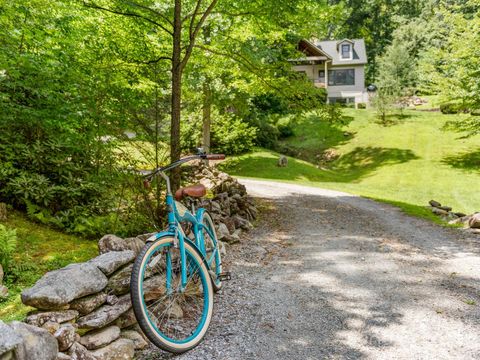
{"x":8,"y":245}
{"x":396,"y":163}
{"x":39,"y":249}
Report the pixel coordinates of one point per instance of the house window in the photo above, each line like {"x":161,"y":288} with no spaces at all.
{"x":346,"y":51}
{"x":341,"y":77}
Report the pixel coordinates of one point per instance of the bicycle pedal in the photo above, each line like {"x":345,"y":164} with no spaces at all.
{"x":225,"y":276}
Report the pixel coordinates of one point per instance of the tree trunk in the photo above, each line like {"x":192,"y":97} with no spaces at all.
{"x":175,"y":150}
{"x":207,"y":111}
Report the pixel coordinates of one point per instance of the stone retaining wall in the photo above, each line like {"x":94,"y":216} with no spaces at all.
{"x":84,"y":312}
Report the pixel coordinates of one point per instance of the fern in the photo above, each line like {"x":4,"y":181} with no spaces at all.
{"x":8,"y":244}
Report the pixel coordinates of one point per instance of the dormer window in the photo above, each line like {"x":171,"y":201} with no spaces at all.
{"x":346,"y":52}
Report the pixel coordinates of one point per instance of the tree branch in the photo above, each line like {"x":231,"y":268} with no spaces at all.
{"x":131,"y":14}
{"x":193,"y":35}
{"x":149,"y":9}
{"x":244,"y":62}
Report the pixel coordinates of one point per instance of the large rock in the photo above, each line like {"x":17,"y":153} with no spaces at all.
{"x":222,"y":231}
{"x":111,"y":242}
{"x":113,"y":260}
{"x":474,"y":221}
{"x":3,"y":292}
{"x":114,"y":243}
{"x":40,"y":318}
{"x":57,"y":288}
{"x":122,"y":349}
{"x":87,"y":304}
{"x":63,"y":356}
{"x":99,"y":338}
{"x":9,"y":339}
{"x":154,"y":287}
{"x":79,"y":352}
{"x":127,"y":319}
{"x":105,"y":314}
{"x":37,"y":343}
{"x":65,"y":336}
{"x":434,"y":203}
{"x":138,"y":340}
{"x":119,"y":283}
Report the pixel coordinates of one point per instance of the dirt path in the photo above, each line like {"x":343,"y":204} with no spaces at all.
{"x":327,"y":275}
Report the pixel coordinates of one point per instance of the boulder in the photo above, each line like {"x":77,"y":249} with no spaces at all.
{"x":222,"y":231}
{"x":37,"y":343}
{"x":138,"y":341}
{"x":111,"y":242}
{"x":9,"y":339}
{"x":112,"y":299}
{"x":113,"y":260}
{"x":242,"y":223}
{"x":119,"y":283}
{"x":446,"y":208}
{"x":51,"y":326}
{"x":154,"y":287}
{"x":58,"y":288}
{"x":87,"y":304}
{"x":122,"y":349}
{"x":105,"y":314}
{"x":63,"y":356}
{"x":434,"y":203}
{"x":99,"y":338}
{"x":114,"y":243}
{"x":135,"y":244}
{"x":127,"y":319}
{"x":474,"y":221}
{"x":40,"y":318}
{"x":79,"y":352}
{"x":65,"y":336}
{"x":3,"y":292}
{"x":460,"y":214}
{"x":438,"y":211}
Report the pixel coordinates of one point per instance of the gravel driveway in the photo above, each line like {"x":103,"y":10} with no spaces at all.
{"x":327,"y":275}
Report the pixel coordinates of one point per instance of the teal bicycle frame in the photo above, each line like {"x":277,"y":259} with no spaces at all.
{"x":178,"y":213}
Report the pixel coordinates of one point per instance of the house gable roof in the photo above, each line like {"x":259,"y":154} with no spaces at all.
{"x":311,"y":50}
{"x":330,"y":48}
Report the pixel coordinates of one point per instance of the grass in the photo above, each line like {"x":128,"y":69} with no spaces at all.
{"x":407,"y":162}
{"x":39,"y":250}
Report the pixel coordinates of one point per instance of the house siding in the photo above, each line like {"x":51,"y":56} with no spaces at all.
{"x":356,"y":91}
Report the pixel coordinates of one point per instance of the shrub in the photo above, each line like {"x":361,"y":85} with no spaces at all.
{"x":228,"y":134}
{"x":361,"y":106}
{"x":8,"y":244}
{"x":451,"y":108}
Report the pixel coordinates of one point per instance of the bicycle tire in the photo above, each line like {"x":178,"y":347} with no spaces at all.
{"x":139,"y":303}
{"x":217,"y":268}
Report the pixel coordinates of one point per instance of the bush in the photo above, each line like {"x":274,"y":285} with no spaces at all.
{"x":361,"y":106}
{"x":8,"y":244}
{"x":451,"y":108}
{"x":228,"y":134}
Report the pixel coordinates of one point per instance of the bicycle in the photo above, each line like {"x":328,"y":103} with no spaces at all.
{"x":174,"y":276}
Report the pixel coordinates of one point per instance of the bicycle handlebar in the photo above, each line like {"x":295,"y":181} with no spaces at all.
{"x":184,"y":160}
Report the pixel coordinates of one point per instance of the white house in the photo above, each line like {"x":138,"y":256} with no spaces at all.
{"x":337,"y":66}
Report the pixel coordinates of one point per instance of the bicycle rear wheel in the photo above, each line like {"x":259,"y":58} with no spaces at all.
{"x":174,"y":320}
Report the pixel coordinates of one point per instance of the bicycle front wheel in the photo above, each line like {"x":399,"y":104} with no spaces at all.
{"x":173,"y":318}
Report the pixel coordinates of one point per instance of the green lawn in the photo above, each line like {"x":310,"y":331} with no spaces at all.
{"x":40,"y":249}
{"x":409,"y":162}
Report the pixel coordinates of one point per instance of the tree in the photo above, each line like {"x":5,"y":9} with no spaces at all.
{"x":396,"y":80}
{"x":181,"y":21}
